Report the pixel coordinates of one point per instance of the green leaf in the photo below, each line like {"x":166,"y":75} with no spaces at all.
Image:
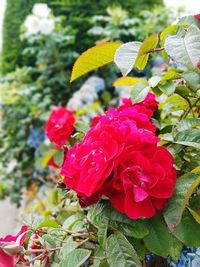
{"x":188,"y":123}
{"x":184,"y":188}
{"x":139,"y":246}
{"x":167,"y":87}
{"x":189,"y":20}
{"x":192,"y":78}
{"x":148,"y":44}
{"x":48,"y":224}
{"x":158,"y":240}
{"x":72,"y":220}
{"x":188,"y":231}
{"x":182,"y":90}
{"x":126,"y":55}
{"x":154,"y":81}
{"x":75,"y":258}
{"x":175,"y":249}
{"x":190,"y":137}
{"x":120,"y":252}
{"x":94,"y":58}
{"x":170,"y":75}
{"x":185,"y":49}
{"x":133,"y":228}
{"x":99,"y":255}
{"x":170,"y":30}
{"x":81,"y":126}
{"x":139,"y":92}
{"x":102,"y":233}
{"x":195,"y":215}
{"x":68,"y":246}
{"x":49,"y":239}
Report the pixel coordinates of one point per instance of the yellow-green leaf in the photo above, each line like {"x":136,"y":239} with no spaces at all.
{"x":94,"y":58}
{"x":195,"y":215}
{"x":148,"y":44}
{"x":126,"y":81}
{"x":170,"y":30}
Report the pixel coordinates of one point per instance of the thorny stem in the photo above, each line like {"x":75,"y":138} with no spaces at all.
{"x":190,"y":108}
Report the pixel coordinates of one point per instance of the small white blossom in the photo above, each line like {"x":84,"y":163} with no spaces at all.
{"x":41,"y":10}
{"x":32,"y":24}
{"x":47,"y":26}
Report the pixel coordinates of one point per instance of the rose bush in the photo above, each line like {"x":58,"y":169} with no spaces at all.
{"x":134,"y":170}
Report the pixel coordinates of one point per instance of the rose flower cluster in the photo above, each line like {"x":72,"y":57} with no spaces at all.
{"x":120,"y":158}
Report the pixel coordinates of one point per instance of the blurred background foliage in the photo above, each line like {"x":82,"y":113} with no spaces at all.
{"x":36,"y":69}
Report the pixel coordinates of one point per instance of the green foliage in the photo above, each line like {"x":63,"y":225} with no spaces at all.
{"x":16,"y":11}
{"x":158,"y":240}
{"x":185,"y":187}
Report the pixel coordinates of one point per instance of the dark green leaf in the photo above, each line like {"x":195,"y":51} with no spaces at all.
{"x":158,"y":240}
{"x":184,"y":188}
{"x":75,"y":258}
{"x":188,"y":231}
{"x":102,"y":233}
{"x":190,"y":137}
{"x":120,"y":252}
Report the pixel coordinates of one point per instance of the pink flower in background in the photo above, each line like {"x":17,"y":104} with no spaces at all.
{"x":60,"y":126}
{"x":10,"y":248}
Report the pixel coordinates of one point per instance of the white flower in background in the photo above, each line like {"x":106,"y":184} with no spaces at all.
{"x":47,"y":26}
{"x":41,"y":10}
{"x":39,"y":21}
{"x":32,"y":24}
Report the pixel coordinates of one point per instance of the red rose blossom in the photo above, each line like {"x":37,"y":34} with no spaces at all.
{"x":120,"y":158}
{"x":10,"y":248}
{"x":197,"y":16}
{"x":148,"y":106}
{"x":59,"y":126}
{"x":144,"y":178}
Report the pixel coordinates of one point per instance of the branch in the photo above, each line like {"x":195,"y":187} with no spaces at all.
{"x":154,"y":50}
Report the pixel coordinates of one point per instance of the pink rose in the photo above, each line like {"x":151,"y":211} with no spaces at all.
{"x":10,"y":248}
{"x":60,"y":126}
